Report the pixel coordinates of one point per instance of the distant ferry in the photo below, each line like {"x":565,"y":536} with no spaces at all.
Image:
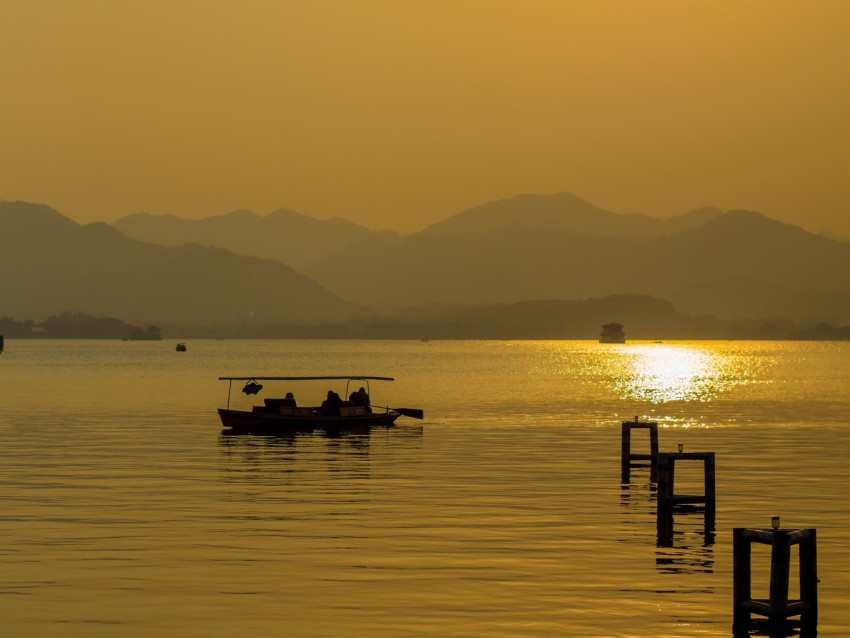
{"x":612,"y":333}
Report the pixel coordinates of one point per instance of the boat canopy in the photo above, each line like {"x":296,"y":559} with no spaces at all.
{"x":252,"y":387}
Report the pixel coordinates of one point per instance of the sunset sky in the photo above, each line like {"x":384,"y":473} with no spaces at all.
{"x":398,"y":114}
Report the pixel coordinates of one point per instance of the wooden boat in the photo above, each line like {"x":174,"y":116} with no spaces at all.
{"x":283,"y":416}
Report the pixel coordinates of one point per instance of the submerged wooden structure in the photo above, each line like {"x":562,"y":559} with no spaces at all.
{"x":627,"y":457}
{"x":778,"y":608}
{"x":778,"y":611}
{"x":669,"y":502}
{"x":667,"y":497}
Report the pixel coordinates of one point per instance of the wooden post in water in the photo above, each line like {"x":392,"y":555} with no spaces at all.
{"x":667,"y":497}
{"x":626,"y":456}
{"x":809,"y":583}
{"x":778,"y":608}
{"x":742,"y":574}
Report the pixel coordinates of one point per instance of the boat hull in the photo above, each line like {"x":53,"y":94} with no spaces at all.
{"x":259,"y":422}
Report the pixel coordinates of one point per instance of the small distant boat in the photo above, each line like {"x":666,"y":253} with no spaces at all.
{"x":181,"y":347}
{"x":612,"y":333}
{"x":284,"y":416}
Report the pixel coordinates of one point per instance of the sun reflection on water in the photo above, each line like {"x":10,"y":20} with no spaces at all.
{"x":663,"y":373}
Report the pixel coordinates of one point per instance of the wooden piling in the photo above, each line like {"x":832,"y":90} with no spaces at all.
{"x":626,"y":455}
{"x":809,"y":583}
{"x":778,"y":608}
{"x":667,"y":497}
{"x":742,"y":551}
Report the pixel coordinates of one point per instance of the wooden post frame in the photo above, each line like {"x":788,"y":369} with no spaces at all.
{"x":626,"y":455}
{"x":667,"y":497}
{"x":778,"y":608}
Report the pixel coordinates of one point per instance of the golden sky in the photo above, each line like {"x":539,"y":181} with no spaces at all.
{"x":397,"y":114}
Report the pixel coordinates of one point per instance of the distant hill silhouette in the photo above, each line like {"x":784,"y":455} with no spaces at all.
{"x":705,"y":261}
{"x":53,"y":265}
{"x":285,"y":235}
{"x":744,"y":265}
{"x":565,"y":212}
{"x":736,"y":265}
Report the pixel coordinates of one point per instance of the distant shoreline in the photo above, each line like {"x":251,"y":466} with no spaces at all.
{"x":641,"y":341}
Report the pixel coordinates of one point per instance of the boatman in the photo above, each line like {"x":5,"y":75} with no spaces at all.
{"x":361,"y":398}
{"x":331,"y":405}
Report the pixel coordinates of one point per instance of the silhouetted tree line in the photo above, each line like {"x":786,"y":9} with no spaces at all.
{"x":74,"y":325}
{"x":457,"y":331}
{"x":79,"y":325}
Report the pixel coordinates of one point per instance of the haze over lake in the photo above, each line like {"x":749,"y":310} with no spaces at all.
{"x":124,"y":512}
{"x":303,"y":188}
{"x":394,"y":114}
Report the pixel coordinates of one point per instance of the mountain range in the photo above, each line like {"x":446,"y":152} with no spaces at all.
{"x":735,"y":264}
{"x":247,"y":269}
{"x":285,"y":235}
{"x":51,"y":265}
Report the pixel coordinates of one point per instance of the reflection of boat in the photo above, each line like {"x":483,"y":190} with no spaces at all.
{"x":279,"y":416}
{"x":612,"y":333}
{"x":181,"y":347}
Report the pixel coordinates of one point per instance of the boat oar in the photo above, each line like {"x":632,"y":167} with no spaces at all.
{"x":413,"y":413}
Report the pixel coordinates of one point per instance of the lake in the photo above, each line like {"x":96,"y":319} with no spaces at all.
{"x":125,"y":512}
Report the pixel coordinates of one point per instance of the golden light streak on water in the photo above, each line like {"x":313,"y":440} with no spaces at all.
{"x":661,"y":373}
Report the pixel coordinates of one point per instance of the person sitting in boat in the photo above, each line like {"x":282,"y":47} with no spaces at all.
{"x":360,"y":398}
{"x":331,"y":405}
{"x":289,"y":400}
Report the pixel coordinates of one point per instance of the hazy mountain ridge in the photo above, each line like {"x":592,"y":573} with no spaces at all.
{"x":58,"y":266}
{"x":549,"y":247}
{"x":502,"y":266}
{"x":671,"y":259}
{"x":284,"y":235}
{"x":567,"y":212}
{"x":746,"y":246}
{"x":734,"y":265}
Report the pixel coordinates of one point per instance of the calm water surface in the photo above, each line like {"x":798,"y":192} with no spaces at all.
{"x":124,"y":511}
